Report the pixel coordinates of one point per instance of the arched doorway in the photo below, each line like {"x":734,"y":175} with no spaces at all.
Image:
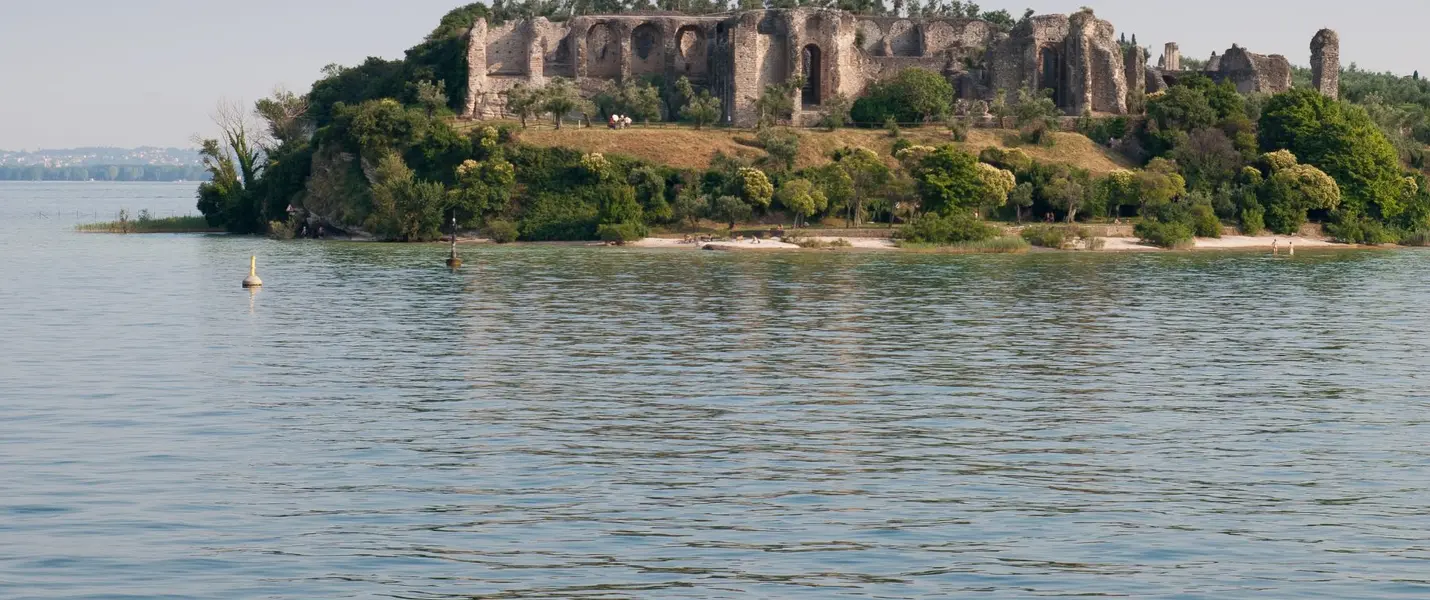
{"x":1050,"y":75}
{"x":813,"y":67}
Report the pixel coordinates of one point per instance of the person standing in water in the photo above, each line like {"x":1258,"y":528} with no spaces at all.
{"x":1274,"y":248}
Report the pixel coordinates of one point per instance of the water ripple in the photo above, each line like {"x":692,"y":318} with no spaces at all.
{"x":570,"y":422}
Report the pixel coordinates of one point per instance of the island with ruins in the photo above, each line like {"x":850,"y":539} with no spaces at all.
{"x":1076,"y":58}
{"x":937,"y":130}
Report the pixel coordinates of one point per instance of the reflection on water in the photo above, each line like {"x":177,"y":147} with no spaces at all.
{"x":570,"y":422}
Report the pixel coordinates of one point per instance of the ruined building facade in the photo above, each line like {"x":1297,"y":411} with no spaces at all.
{"x":1076,"y":59}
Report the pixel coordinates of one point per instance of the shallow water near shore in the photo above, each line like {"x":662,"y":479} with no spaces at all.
{"x":589,"y":422}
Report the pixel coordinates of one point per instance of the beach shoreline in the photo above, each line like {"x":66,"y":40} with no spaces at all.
{"x":1111,"y":244}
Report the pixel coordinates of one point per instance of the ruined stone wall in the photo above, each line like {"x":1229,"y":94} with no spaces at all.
{"x":1016,"y":63}
{"x":1252,"y":72}
{"x":1076,"y":57}
{"x":1326,"y":63}
{"x":1134,"y":70}
{"x":1096,"y":78}
{"x":507,"y":49}
{"x":737,"y":55}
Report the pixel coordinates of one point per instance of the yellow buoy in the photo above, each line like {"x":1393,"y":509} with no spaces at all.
{"x":252,"y":281}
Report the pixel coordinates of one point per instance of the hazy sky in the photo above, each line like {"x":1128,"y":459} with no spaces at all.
{"x":148,"y":72}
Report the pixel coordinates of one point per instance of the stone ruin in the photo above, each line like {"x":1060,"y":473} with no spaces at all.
{"x":1326,"y":63}
{"x":1251,"y":72}
{"x":1076,"y":59}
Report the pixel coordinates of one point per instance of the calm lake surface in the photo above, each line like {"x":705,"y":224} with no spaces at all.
{"x":573,"y":422}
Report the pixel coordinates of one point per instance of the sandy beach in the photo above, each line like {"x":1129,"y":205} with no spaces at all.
{"x":764,"y":244}
{"x":1226,"y":242}
{"x":1111,"y":244}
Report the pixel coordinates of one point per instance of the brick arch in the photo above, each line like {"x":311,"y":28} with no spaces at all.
{"x":872,"y":36}
{"x":904,"y":39}
{"x":603,"y":50}
{"x":647,"y":50}
{"x":692,"y":50}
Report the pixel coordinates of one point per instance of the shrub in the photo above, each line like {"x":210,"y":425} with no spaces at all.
{"x":1253,"y":220}
{"x":502,"y":231}
{"x":1205,"y":222}
{"x":998,"y":245}
{"x":935,"y":229}
{"x":957,"y":129}
{"x":913,"y":95}
{"x":1165,"y":235}
{"x":559,"y":217}
{"x":1350,"y":230}
{"x":892,"y":126}
{"x":1046,"y":236}
{"x":1037,"y":133}
{"x":278,"y":230}
{"x":1416,"y":238}
{"x":812,"y":243}
{"x":621,"y":233}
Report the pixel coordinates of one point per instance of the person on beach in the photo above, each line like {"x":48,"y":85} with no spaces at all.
{"x":1274,"y":248}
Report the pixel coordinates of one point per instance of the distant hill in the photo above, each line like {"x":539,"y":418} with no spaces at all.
{"x":146,"y":163}
{"x":101,"y":156}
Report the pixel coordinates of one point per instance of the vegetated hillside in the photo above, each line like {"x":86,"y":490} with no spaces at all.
{"x":687,"y":148}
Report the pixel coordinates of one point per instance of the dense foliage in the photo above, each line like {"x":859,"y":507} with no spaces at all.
{"x":913,"y":95}
{"x":373,"y":148}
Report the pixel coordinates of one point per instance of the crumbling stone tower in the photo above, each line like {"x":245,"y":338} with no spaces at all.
{"x":1172,"y":57}
{"x":1326,"y":63}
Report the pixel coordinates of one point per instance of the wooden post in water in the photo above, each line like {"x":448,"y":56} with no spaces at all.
{"x":453,"y":261}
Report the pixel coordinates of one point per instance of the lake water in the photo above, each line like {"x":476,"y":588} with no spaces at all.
{"x":574,"y":422}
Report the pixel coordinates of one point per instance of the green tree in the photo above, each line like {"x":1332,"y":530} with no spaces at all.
{"x":379,"y":127}
{"x":911,"y":96}
{"x":868,"y":175}
{"x":777,"y":102}
{"x":287,"y":116}
{"x":995,"y":184}
{"x":949,"y":181}
{"x":432,"y":97}
{"x":484,"y":187}
{"x":701,"y":109}
{"x":233,"y":163}
{"x":405,"y":209}
{"x":836,"y":112}
{"x":755,"y":187}
{"x":781,"y":144}
{"x":690,"y":206}
{"x":1021,"y":199}
{"x":524,"y":102}
{"x":836,"y":185}
{"x":649,"y":185}
{"x":1291,"y":189}
{"x":1208,"y":158}
{"x":730,"y":209}
{"x":1066,"y":194}
{"x":1341,"y":140}
{"x":559,"y":98}
{"x":802,"y":199}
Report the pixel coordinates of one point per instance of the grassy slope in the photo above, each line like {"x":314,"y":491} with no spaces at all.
{"x":687,"y":148}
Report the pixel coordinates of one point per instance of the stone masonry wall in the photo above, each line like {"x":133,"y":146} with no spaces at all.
{"x":737,"y":55}
{"x":1326,"y":63}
